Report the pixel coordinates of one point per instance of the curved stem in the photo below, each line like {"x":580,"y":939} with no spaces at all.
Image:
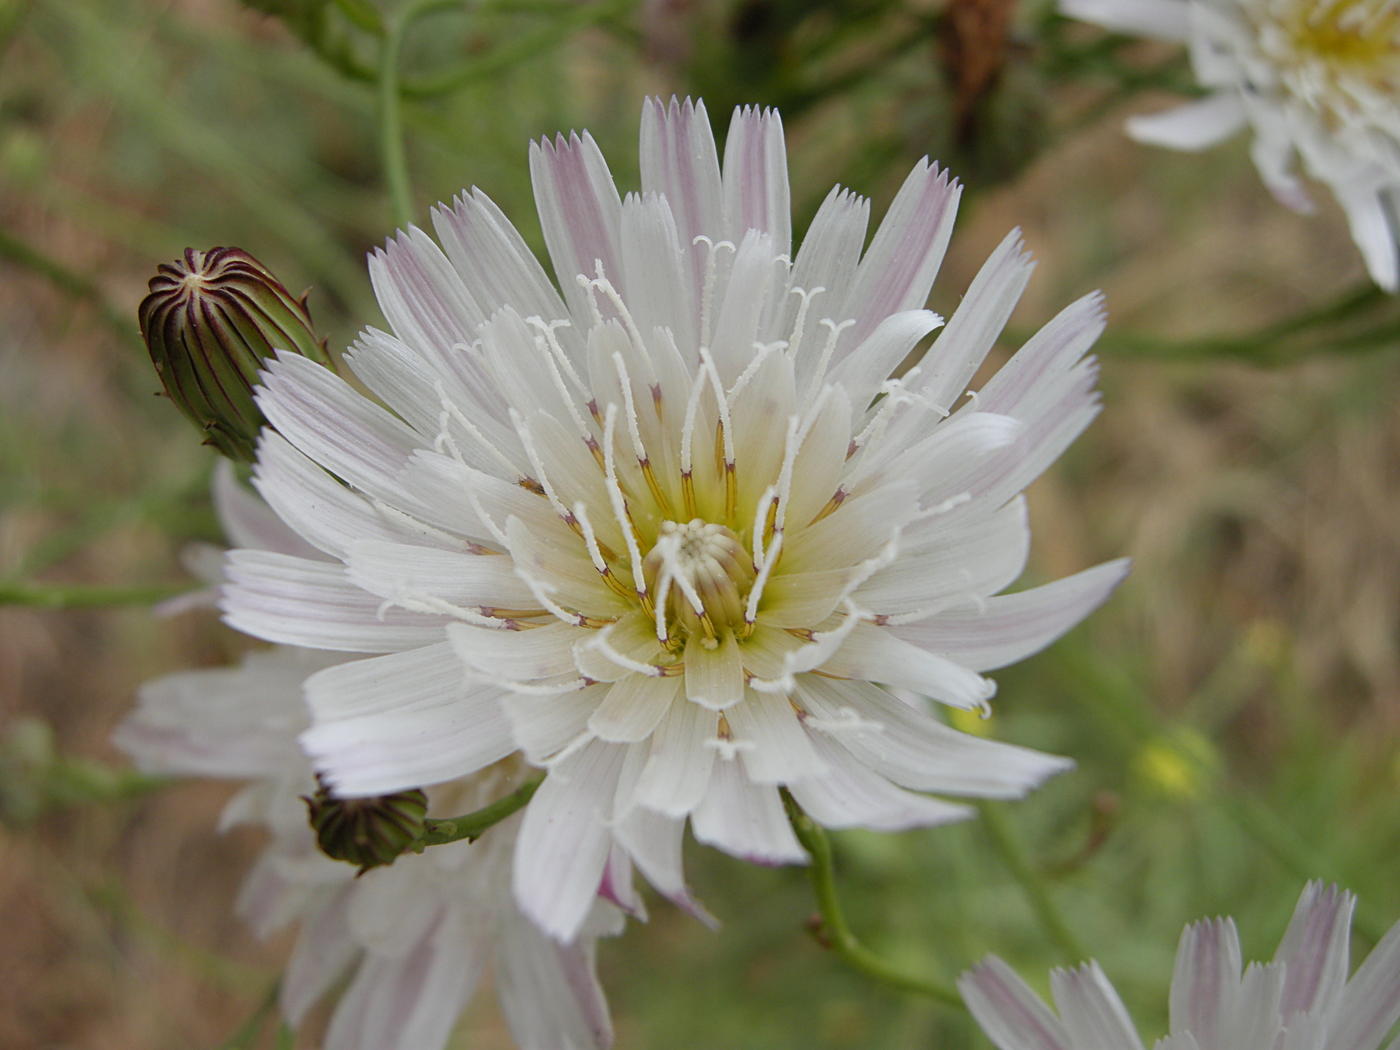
{"x":391,"y":140}
{"x":836,"y":933}
{"x":1013,"y":854}
{"x":471,"y":826}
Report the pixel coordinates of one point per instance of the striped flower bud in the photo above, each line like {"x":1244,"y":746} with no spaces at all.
{"x":209,"y":321}
{"x":370,"y":832}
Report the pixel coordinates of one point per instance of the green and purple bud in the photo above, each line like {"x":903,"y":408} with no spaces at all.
{"x":369,"y":832}
{"x":209,"y":321}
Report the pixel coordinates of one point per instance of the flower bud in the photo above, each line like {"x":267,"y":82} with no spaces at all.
{"x":370,"y":832}
{"x":209,"y":321}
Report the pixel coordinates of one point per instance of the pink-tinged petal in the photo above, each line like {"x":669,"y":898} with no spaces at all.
{"x":679,"y":161}
{"x":580,"y":212}
{"x":1206,"y":980}
{"x":247,"y":521}
{"x":313,"y":604}
{"x":1007,"y":628}
{"x":423,"y":298}
{"x":1316,"y":949}
{"x":411,"y":1001}
{"x":403,"y":721}
{"x":492,"y":258}
{"x":1370,"y":1005}
{"x":323,"y":951}
{"x":773,"y":745}
{"x":903,"y":259}
{"x":682,"y":757}
{"x":1093,"y":1016}
{"x":827,"y":260}
{"x":1255,"y":1020}
{"x":1165,"y":19}
{"x":326,"y":419}
{"x":744,"y":819}
{"x":849,"y":795}
{"x":917,"y":751}
{"x":564,"y":839}
{"x":1010,"y":1013}
{"x":515,"y":656}
{"x":654,"y":842}
{"x":875,"y":654}
{"x":326,"y":516}
{"x":549,"y":992}
{"x":1192,"y":126}
{"x":1019,"y":387}
{"x":756,"y":178}
{"x":976,"y":324}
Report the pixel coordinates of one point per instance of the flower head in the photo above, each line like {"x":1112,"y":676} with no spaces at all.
{"x":1317,"y":80}
{"x":1302,"y":1000}
{"x":665,"y":528}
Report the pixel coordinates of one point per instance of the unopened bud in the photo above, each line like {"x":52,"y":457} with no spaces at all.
{"x":369,"y":832}
{"x":209,"y":321}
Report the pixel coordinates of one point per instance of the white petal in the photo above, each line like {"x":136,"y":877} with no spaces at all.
{"x":875,"y":654}
{"x":515,"y":656}
{"x":1316,"y":948}
{"x":870,"y":363}
{"x":403,"y":721}
{"x":1255,"y":1020}
{"x":850,"y":795}
{"x":657,"y":269}
{"x":313,"y":604}
{"x":903,"y":259}
{"x":915,"y":750}
{"x":780,"y":750}
{"x":413,"y":1001}
{"x":323,"y":950}
{"x":544,"y":724}
{"x":858,"y":529}
{"x":1206,"y":979}
{"x":1009,"y":1012}
{"x":246,"y":520}
{"x":1375,"y":227}
{"x":1094,"y":1016}
{"x":1020,"y":386}
{"x":654,"y":843}
{"x":423,"y":298}
{"x":1166,"y":19}
{"x":827,"y":260}
{"x":325,"y":418}
{"x":633,"y":708}
{"x":492,"y":258}
{"x":1192,"y":126}
{"x":744,"y":819}
{"x":580,"y":212}
{"x":714,"y":678}
{"x":749,"y":297}
{"x":756,"y":178}
{"x":1010,"y":627}
{"x":678,"y":770}
{"x":564,"y":839}
{"x":549,"y":992}
{"x":405,"y":570}
{"x":680,"y":162}
{"x":1370,"y":1005}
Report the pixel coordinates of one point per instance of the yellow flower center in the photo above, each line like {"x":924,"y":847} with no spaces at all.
{"x":1360,"y":34}
{"x":702,"y":573}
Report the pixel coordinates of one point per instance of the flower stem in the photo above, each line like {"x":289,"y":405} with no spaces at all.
{"x":1013,"y":854}
{"x":835,"y":932}
{"x":86,"y":596}
{"x":473,"y":825}
{"x":391,"y":141}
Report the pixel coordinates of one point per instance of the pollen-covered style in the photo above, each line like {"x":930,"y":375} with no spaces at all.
{"x":675,"y":519}
{"x":1317,"y":80}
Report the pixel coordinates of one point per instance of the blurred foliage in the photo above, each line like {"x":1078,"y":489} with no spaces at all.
{"x":1233,"y":710}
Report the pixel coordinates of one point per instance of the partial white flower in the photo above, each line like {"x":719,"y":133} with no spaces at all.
{"x":414,"y":938}
{"x":1318,"y":81}
{"x":1302,"y":1000}
{"x":678,"y":518}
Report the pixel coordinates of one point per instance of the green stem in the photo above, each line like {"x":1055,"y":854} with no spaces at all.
{"x":1013,"y":854}
{"x":835,"y":930}
{"x":473,"y":825}
{"x":391,"y":141}
{"x":86,"y":596}
{"x":249,"y":1030}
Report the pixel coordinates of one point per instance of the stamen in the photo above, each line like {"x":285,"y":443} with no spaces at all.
{"x":619,"y":508}
{"x":724,"y":436}
{"x":455,"y":413}
{"x":643,"y":460}
{"x":764,"y":571}
{"x":799,"y":322}
{"x":598,"y":554}
{"x":528,"y":441}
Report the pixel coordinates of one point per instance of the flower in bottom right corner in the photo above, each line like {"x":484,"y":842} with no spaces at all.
{"x":1302,"y":1000}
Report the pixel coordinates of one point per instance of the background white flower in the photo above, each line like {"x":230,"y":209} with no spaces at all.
{"x":1302,"y":1000}
{"x":677,"y":522}
{"x":415,"y":937}
{"x":1316,"y":80}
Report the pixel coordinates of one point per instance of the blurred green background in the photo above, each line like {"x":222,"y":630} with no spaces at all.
{"x":1233,"y":709}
